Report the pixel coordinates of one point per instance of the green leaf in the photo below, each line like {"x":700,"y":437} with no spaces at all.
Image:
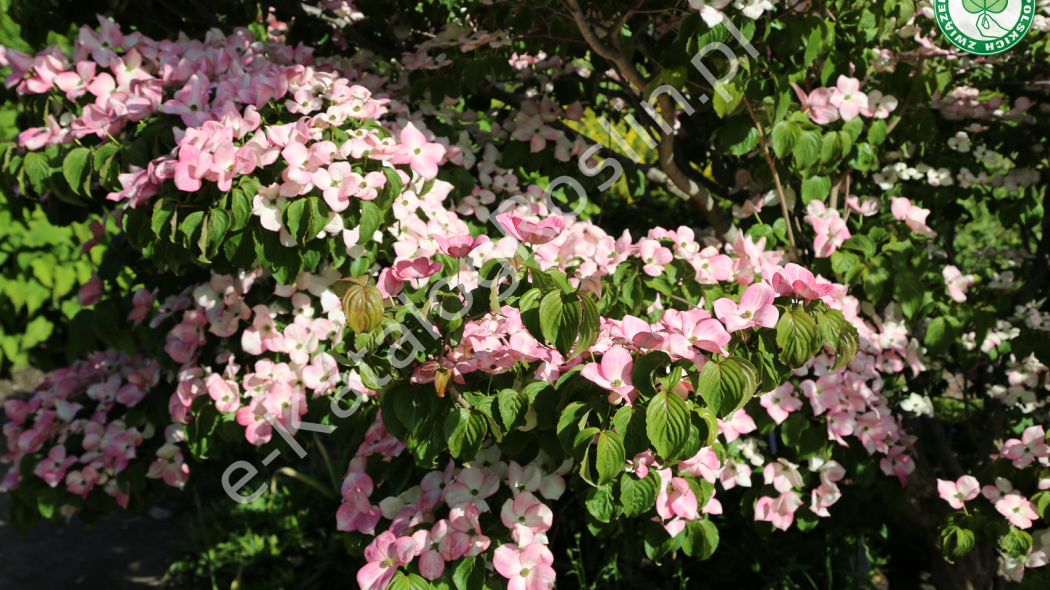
{"x":638,"y":495}
{"x":218,"y":222}
{"x":667,"y":424}
{"x":908,"y":291}
{"x":877,"y":132}
{"x":601,"y":503}
{"x":465,"y":430}
{"x":786,"y":136}
{"x":701,"y":539}
{"x":573,"y":419}
{"x":37,"y":331}
{"x":1016,"y":543}
{"x":808,"y":149}
{"x":240,"y":209}
{"x":792,"y":429}
{"x":797,"y":337}
{"x":815,"y":188}
{"x":38,"y":171}
{"x":629,"y":422}
{"x":371,"y":220}
{"x":560,"y":319}
{"x":513,"y":407}
{"x":739,"y":135}
{"x":722,"y":106}
{"x":644,"y":369}
{"x":590,"y":325}
{"x":409,"y":582}
{"x":727,"y":385}
{"x":956,"y":542}
{"x":165,"y":218}
{"x":611,"y":456}
{"x":831,"y":148}
{"x":470,"y":574}
{"x":77,"y":170}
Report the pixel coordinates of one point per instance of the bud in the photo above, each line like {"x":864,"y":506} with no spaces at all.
{"x":363,"y":307}
{"x":592,"y":285}
{"x":441,"y":378}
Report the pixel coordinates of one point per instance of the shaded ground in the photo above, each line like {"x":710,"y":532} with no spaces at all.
{"x":120,"y":552}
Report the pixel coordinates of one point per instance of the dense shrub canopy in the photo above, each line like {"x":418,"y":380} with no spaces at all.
{"x":715,"y":271}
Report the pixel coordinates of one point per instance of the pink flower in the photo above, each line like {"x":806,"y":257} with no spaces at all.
{"x":879,"y":106}
{"x":1018,"y":510}
{"x":817,"y":105}
{"x":654,"y":256}
{"x":388,"y":284}
{"x":780,"y":402}
{"x":473,"y":484}
{"x":335,"y":184}
{"x":780,"y":512}
{"x":704,"y":464}
{"x":142,"y":304}
{"x":526,"y":510}
{"x":869,"y":207}
{"x":830,"y":233}
{"x":913,"y":216}
{"x":783,"y":474}
{"x":53,"y":468}
{"x":384,"y":555}
{"x":755,"y":309}
{"x":999,"y":491}
{"x":614,"y":371}
{"x":90,"y":292}
{"x":458,"y":246}
{"x":793,"y":279}
{"x":526,"y":569}
{"x":676,"y":498}
{"x":414,"y":150}
{"x":415,"y":268}
{"x":435,"y":547}
{"x":959,"y":492}
{"x":897,"y":463}
{"x":1014,"y":567}
{"x":737,"y":425}
{"x":1032,"y":445}
{"x":523,"y":230}
{"x":225,"y":393}
{"x":848,"y":98}
{"x":956,"y":282}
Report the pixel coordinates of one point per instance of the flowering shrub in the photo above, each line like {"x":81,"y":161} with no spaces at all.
{"x":298,"y":232}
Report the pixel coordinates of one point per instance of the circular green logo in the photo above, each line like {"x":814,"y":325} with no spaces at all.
{"x":985,"y":27}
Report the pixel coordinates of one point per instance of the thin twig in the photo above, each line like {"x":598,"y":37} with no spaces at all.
{"x":776,"y":179}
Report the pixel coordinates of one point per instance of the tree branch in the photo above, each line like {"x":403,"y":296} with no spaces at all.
{"x":776,"y":179}
{"x":722,"y":224}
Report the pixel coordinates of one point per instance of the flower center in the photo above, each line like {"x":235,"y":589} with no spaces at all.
{"x":747,"y":315}
{"x":617,"y":383}
{"x":473,"y":492}
{"x":524,"y":572}
{"x":388,"y":562}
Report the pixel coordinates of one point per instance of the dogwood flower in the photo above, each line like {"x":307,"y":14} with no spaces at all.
{"x":613,"y":372}
{"x":956,"y":282}
{"x":384,"y":555}
{"x":956,"y":493}
{"x":526,"y":568}
{"x":848,"y":98}
{"x":755,"y":309}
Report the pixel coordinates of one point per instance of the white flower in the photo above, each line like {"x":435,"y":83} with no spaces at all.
{"x":960,"y":143}
{"x":710,"y":10}
{"x":753,"y":9}
{"x":940,"y":177}
{"x":918,"y":404}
